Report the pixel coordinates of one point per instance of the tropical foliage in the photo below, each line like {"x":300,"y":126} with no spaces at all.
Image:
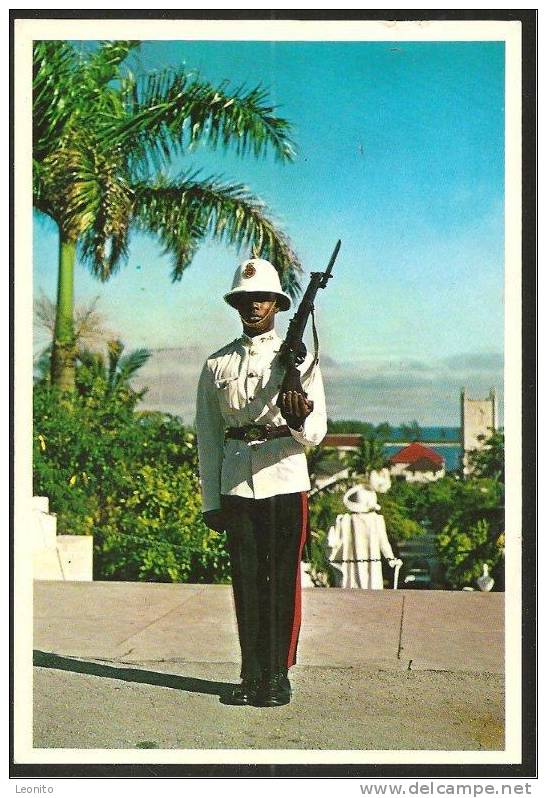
{"x":323,"y":507}
{"x":412,"y":431}
{"x":110,"y":375}
{"x":466,"y":518}
{"x":489,"y":461}
{"x":352,"y":426}
{"x":103,"y":140}
{"x":402,"y":522}
{"x":474,"y":532}
{"x":369,"y":456}
{"x":90,"y":330}
{"x":127,"y":478}
{"x":468,"y":542}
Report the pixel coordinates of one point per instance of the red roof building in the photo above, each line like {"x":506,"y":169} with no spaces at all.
{"x":415,"y":452}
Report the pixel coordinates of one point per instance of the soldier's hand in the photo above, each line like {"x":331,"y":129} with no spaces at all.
{"x":295,"y":408}
{"x":214,"y":519}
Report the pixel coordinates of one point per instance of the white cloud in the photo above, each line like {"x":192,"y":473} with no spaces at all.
{"x":389,"y":389}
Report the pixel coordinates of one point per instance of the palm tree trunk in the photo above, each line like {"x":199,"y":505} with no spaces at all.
{"x":64,"y":351}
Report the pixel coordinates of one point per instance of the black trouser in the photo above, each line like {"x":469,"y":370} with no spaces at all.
{"x":265,"y":541}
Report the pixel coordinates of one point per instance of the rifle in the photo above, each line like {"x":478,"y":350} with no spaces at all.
{"x":293,"y":351}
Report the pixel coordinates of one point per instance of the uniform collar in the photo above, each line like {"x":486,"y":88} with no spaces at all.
{"x":266,"y":339}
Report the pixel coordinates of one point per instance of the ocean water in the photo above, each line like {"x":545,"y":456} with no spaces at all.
{"x":437,"y":434}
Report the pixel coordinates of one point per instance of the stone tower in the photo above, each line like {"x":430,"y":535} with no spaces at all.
{"x":478,"y":417}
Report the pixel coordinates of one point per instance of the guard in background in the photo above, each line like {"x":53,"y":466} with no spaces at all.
{"x":254,"y":478}
{"x":358,"y":540}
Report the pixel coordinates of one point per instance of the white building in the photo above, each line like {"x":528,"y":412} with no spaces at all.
{"x":417,"y":463}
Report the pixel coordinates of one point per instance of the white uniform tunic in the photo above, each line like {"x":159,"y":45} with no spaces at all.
{"x":238,"y":386}
{"x":357,"y":541}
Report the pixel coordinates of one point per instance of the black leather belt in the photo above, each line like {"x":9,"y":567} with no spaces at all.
{"x":257,"y":432}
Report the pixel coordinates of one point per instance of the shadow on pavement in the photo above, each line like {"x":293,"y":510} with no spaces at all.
{"x":44,"y":659}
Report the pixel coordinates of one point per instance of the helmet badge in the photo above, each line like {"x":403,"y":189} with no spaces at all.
{"x":249,"y":270}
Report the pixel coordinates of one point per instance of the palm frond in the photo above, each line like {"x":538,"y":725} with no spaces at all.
{"x":167,"y":112}
{"x":92,"y":362}
{"x":131,"y":363}
{"x":101,"y":203}
{"x":101,"y":137}
{"x":103,"y":65}
{"x":115,"y":349}
{"x":368,"y":456}
{"x":54,"y":92}
{"x":87,"y":193}
{"x":122,"y":367}
{"x":90,"y":327}
{"x":91,"y":331}
{"x":44,"y":313}
{"x":42,"y":365}
{"x":183,"y":212}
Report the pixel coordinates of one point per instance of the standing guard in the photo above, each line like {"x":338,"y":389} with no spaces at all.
{"x":254,"y":478}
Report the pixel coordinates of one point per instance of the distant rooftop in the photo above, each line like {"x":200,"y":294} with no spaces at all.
{"x":415,"y":453}
{"x":425,"y":464}
{"x":342,"y":439}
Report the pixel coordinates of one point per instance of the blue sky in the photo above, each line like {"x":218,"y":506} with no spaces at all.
{"x":400,"y":154}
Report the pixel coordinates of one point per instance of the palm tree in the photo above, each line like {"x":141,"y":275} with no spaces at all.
{"x":411,"y":432}
{"x":114,"y":372}
{"x":102,"y":139}
{"x":368,"y":457}
{"x":90,"y":331}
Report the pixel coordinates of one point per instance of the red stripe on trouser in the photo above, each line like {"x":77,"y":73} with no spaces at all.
{"x":297,"y":616}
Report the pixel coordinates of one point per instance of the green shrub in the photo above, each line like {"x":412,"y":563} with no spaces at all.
{"x":130,"y":480}
{"x":466,"y":517}
{"x":399,"y":525}
{"x":474,"y":534}
{"x":323,"y":507}
{"x":154,"y":532}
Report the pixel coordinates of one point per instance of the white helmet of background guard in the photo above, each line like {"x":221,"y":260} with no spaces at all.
{"x":255,"y":275}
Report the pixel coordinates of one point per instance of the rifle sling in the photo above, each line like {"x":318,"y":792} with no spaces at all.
{"x":315,"y":360}
{"x":315,"y":339}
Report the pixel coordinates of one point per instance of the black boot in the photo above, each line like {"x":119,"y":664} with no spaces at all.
{"x":274,"y":691}
{"x":244,"y":693}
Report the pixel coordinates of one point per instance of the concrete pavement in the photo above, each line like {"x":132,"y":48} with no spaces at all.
{"x":130,"y":665}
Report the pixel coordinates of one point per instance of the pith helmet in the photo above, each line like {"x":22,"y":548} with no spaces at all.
{"x":254,"y":275}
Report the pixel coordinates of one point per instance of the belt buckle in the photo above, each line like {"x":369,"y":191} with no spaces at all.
{"x":253,"y":434}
